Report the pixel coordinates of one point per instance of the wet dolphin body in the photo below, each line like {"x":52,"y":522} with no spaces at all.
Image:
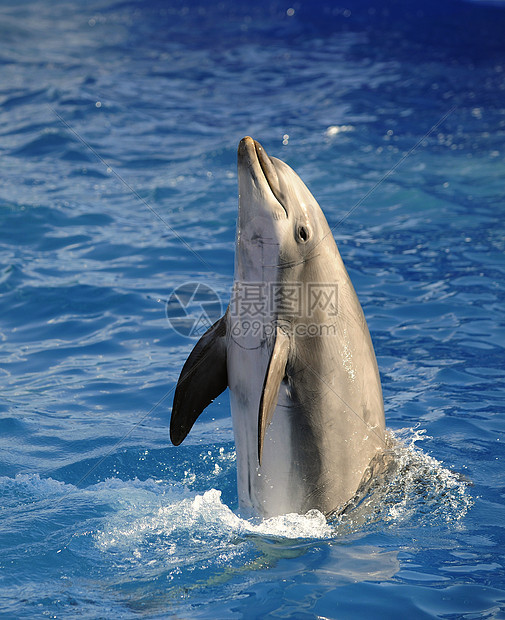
{"x":295,"y":351}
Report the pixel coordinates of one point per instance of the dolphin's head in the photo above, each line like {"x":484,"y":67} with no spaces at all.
{"x":280,"y":223}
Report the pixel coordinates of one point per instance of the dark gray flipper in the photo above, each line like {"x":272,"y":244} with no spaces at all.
{"x":203,"y":377}
{"x":275,"y":374}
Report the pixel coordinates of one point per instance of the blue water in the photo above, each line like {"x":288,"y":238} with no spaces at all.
{"x":119,"y":123}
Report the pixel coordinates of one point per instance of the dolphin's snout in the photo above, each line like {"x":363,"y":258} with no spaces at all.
{"x":250,"y":146}
{"x":252,"y":154}
{"x":251,"y":149}
{"x":245,"y":145}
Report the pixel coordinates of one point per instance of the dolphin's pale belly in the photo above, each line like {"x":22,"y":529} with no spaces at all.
{"x":290,"y":476}
{"x":280,"y":484}
{"x":284,"y":482}
{"x":277,"y":487}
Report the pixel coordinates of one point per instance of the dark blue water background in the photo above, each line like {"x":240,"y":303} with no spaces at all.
{"x":119,"y":123}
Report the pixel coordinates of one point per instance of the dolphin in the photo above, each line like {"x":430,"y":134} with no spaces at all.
{"x":294,"y":349}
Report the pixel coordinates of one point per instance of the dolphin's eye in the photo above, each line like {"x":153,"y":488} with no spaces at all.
{"x":302,"y":233}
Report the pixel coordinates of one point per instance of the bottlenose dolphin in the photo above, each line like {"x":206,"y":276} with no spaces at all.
{"x":295,"y":351}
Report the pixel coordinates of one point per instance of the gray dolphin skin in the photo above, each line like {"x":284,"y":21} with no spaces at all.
{"x":295,"y":351}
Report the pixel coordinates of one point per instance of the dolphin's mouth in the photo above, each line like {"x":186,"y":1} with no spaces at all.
{"x":261,"y":167}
